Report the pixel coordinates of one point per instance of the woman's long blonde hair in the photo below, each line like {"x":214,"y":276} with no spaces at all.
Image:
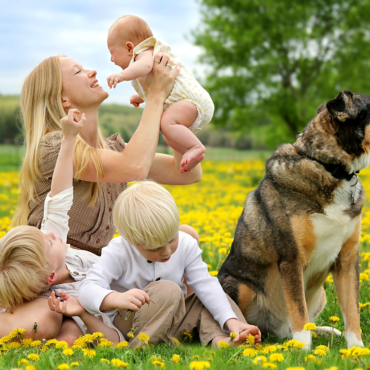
{"x":42,"y":110}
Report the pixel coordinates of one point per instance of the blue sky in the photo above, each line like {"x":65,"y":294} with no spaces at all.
{"x":31,"y":31}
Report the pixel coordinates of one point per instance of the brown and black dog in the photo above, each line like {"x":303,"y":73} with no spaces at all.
{"x":302,"y":222}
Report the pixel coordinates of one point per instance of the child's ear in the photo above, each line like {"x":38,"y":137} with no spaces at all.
{"x":130,"y":47}
{"x":66,"y":103}
{"x":52,"y":278}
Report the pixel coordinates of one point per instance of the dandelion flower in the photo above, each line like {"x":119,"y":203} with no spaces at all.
{"x":68,"y":352}
{"x":295,"y":368}
{"x":185,"y":334}
{"x":97,"y":335}
{"x":320,"y":352}
{"x":259,"y":360}
{"x":36,"y":343}
{"x":269,"y":365}
{"x":63,"y":367}
{"x":364,"y":277}
{"x":62,"y":344}
{"x":33,"y":357}
{"x":143,"y":338}
{"x":74,"y":364}
{"x":105,"y":361}
{"x":199,"y":365}
{"x":334,"y":318}
{"x":130,"y":335}
{"x":250,"y":352}
{"x":269,"y":349}
{"x":89,"y":352}
{"x":23,"y":362}
{"x":30,"y":367}
{"x":116,"y":362}
{"x":324,"y":348}
{"x":310,"y":326}
{"x":195,"y":357}
{"x":311,"y":358}
{"x":122,"y":344}
{"x":51,"y":341}
{"x":276,"y":357}
{"x":106,"y":344}
{"x":250,"y":339}
{"x":233,"y":335}
{"x":175,"y":340}
{"x":223,"y":344}
{"x":26,"y":342}
{"x":213,"y":273}
{"x":159,"y":363}
{"x":176,"y":358}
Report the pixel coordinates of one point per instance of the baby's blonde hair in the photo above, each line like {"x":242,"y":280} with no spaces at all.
{"x":132,"y":28}
{"x":146,"y":214}
{"x":23,"y":266}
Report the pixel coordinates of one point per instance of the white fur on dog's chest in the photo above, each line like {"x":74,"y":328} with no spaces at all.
{"x":332,"y":229}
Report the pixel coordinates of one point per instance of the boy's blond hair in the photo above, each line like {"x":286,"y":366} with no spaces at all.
{"x":23,"y":266}
{"x":131,"y":28}
{"x":146,"y":214}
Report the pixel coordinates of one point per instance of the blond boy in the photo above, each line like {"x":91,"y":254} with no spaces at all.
{"x":187,"y":109}
{"x":147,"y":263}
{"x":32,"y":261}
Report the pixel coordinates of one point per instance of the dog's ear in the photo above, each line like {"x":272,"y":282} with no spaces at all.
{"x":321,"y":108}
{"x":343,"y":107}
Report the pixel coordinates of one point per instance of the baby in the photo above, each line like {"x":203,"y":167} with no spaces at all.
{"x":188,"y":108}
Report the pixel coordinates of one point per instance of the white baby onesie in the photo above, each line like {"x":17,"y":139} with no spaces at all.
{"x":186,"y":86}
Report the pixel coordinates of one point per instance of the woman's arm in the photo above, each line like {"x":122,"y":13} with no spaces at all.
{"x":136,"y":160}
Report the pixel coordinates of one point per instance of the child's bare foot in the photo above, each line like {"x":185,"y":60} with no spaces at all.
{"x":192,"y":157}
{"x":220,"y":338}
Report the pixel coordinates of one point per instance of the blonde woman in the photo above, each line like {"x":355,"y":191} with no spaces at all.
{"x":59,"y":87}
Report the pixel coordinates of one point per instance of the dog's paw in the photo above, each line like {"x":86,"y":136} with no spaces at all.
{"x":328,"y":330}
{"x":304,"y":336}
{"x":352,"y":340}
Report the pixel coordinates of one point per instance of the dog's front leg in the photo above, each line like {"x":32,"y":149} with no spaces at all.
{"x":346,"y":280}
{"x":291,"y":274}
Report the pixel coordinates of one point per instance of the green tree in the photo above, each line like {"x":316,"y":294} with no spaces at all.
{"x":271,"y":63}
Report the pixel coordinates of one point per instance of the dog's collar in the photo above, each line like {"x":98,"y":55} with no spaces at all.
{"x":336,"y":170}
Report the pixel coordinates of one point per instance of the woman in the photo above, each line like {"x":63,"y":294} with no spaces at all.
{"x":60,"y":85}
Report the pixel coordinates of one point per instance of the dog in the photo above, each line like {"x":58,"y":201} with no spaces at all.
{"x":302,"y":222}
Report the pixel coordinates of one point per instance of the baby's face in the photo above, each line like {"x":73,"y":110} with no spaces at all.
{"x":55,"y":251}
{"x":121,"y":55}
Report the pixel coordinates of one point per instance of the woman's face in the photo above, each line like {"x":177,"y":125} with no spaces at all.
{"x":80,"y":86}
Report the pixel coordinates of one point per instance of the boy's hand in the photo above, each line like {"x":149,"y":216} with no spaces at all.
{"x":130,"y":300}
{"x":71,"y":124}
{"x":242,"y":330}
{"x":114,"y":79}
{"x":70,"y":307}
{"x":136,"y":100}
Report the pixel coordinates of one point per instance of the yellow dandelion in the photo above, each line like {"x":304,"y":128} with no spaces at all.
{"x":17,"y":333}
{"x":213,"y":273}
{"x":122,"y":344}
{"x":79,"y":343}
{"x":269,"y":365}
{"x":250,"y":339}
{"x":97,"y":335}
{"x":159,"y":363}
{"x":51,"y":341}
{"x":143,"y":338}
{"x":364,"y":277}
{"x":62,"y":344}
{"x":276,"y":357}
{"x":88,"y":338}
{"x":30,"y":367}
{"x":33,"y":357}
{"x":187,"y":335}
{"x":195,"y":357}
{"x":311,"y":358}
{"x":233,"y":335}
{"x":89,"y":352}
{"x":14,"y":345}
{"x":130,"y":335}
{"x":295,"y":343}
{"x":310,"y":326}
{"x":116,"y":362}
{"x":175,"y":340}
{"x":176,"y":358}
{"x":323,"y":348}
{"x":222,"y":251}
{"x":105,"y":344}
{"x":63,"y":367}
{"x":74,"y":364}
{"x":334,"y":318}
{"x":36,"y":343}
{"x":23,"y":362}
{"x":295,"y":368}
{"x":105,"y":361}
{"x":155,"y":358}
{"x":250,"y":352}
{"x":199,"y":365}
{"x":26,"y":342}
{"x":223,"y":344}
{"x":319,"y":352}
{"x":336,"y":368}
{"x":68,"y":352}
{"x":269,"y":349}
{"x":259,"y":360}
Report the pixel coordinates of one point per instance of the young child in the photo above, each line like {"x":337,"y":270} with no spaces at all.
{"x":188,"y":108}
{"x":32,"y":261}
{"x":147,"y":263}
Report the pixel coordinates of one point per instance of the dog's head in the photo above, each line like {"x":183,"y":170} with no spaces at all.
{"x":340,"y":133}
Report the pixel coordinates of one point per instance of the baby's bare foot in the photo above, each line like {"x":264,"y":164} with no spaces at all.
{"x":191,"y":158}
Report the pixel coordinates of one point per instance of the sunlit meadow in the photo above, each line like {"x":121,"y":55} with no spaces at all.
{"x":213,"y":207}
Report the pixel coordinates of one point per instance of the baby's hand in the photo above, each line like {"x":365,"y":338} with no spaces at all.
{"x":71,"y":124}
{"x":70,"y":307}
{"x":136,"y":100}
{"x":132,"y":300}
{"x":114,"y":79}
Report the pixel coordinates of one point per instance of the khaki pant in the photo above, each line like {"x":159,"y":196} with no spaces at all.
{"x":172,"y":315}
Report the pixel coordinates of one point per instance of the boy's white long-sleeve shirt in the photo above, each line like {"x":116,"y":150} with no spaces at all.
{"x":121,"y":268}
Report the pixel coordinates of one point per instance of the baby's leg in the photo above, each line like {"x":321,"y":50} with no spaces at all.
{"x":69,"y":331}
{"x":175,"y":124}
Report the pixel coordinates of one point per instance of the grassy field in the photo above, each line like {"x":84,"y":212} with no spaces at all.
{"x":212,"y":207}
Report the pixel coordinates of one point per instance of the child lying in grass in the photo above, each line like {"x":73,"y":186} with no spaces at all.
{"x":148,"y":264}
{"x":32,"y":261}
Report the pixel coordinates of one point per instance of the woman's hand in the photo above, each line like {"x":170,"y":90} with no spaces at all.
{"x":72,"y":124}
{"x":159,"y":82}
{"x":70,"y":307}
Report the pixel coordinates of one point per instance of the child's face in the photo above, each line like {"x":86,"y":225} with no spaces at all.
{"x":162,"y":254}
{"x":55,"y":251}
{"x":121,"y":52}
